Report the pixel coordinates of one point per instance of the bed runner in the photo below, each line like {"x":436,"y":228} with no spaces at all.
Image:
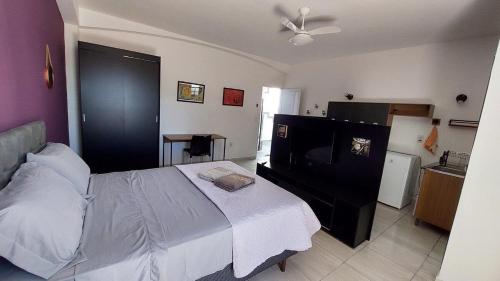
{"x":266,"y":219}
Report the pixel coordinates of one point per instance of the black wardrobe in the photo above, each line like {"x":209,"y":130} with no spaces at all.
{"x":120,"y":107}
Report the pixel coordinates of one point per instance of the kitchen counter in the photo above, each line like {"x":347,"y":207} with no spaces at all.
{"x":439,"y":194}
{"x":451,"y":170}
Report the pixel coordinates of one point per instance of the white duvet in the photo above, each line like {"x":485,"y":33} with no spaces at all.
{"x":266,"y":219}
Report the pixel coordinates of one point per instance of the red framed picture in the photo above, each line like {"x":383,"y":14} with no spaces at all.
{"x":233,"y":97}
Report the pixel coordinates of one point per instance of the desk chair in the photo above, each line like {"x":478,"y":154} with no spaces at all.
{"x":200,"y":146}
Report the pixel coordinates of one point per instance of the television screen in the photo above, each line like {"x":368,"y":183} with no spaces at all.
{"x":312,"y":148}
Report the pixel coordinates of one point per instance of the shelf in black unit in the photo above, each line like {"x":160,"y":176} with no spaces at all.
{"x":344,"y":212}
{"x":315,"y":186}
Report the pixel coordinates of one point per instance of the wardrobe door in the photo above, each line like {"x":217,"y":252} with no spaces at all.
{"x":102,"y":102}
{"x":120,"y":108}
{"x":141,"y":113}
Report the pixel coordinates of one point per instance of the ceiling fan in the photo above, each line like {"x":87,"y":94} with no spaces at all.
{"x":302,"y":36}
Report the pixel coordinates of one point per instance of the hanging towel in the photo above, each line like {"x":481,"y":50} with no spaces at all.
{"x":431,"y":141}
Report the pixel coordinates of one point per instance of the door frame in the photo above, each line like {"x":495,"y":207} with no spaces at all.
{"x":261,"y":112}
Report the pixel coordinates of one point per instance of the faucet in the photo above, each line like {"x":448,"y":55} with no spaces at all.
{"x":443,"y":160}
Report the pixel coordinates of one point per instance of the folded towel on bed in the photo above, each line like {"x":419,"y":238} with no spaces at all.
{"x":215,"y":173}
{"x":233,"y":182}
{"x":226,"y":179}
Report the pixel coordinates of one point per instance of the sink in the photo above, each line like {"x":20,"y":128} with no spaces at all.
{"x":450,"y":170}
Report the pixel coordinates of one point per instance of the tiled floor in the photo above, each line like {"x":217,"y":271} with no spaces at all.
{"x":398,"y":250}
{"x":249,"y":164}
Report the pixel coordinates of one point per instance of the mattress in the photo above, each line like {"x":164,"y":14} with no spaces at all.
{"x":146,"y":225}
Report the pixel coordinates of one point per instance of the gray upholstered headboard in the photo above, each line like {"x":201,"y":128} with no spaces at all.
{"x":15,"y":144}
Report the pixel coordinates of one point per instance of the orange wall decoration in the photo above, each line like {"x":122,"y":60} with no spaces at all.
{"x":233,"y":97}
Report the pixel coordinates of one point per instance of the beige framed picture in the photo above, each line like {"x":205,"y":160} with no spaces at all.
{"x":282,"y":131}
{"x":190,"y":92}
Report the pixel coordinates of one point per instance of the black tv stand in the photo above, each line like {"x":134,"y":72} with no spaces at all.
{"x":344,"y":213}
{"x":335,"y":166}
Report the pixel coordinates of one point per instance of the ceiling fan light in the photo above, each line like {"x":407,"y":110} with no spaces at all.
{"x":301,"y":39}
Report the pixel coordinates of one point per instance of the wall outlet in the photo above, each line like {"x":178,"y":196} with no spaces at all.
{"x":230,"y":144}
{"x":420,"y":138}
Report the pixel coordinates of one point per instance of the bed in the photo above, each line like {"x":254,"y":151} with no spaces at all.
{"x":161,"y":224}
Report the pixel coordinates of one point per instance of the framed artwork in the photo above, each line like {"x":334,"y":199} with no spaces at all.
{"x":190,"y":92}
{"x":233,"y":97}
{"x":282,"y":131}
{"x":361,"y":147}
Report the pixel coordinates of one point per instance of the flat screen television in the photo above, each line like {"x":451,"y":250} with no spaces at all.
{"x":312,"y":148}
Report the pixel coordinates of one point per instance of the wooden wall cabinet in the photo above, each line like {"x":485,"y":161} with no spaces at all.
{"x":438,"y":199}
{"x":373,"y":112}
{"x":417,"y":110}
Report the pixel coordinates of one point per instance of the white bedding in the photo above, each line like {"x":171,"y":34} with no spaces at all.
{"x":265,"y":219}
{"x":148,"y":225}
{"x":41,"y":219}
{"x":151,"y":221}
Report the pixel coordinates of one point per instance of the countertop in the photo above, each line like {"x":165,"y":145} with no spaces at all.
{"x":451,"y":170}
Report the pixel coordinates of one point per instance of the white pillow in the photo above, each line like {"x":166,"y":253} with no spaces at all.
{"x":64,"y":161}
{"x":41,"y":220}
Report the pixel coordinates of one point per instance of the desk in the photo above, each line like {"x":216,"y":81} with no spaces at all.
{"x":171,"y":138}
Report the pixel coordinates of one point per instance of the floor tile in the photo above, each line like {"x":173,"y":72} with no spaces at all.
{"x":274,"y":274}
{"x":315,"y":263}
{"x":387,"y":215}
{"x":439,"y":249}
{"x":378,"y":228}
{"x":420,"y":236}
{"x":419,"y":278}
{"x":333,"y":246}
{"x":345,"y":273}
{"x":249,"y":164}
{"x":408,"y":209}
{"x":377,"y":267}
{"x":429,"y":270}
{"x":399,"y":251}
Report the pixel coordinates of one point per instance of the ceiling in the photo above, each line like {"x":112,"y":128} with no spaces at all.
{"x":253,"y":26}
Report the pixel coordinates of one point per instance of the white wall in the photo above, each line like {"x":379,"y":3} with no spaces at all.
{"x":188,"y":59}
{"x":434,"y":73}
{"x":473,"y":251}
{"x":71,"y":53}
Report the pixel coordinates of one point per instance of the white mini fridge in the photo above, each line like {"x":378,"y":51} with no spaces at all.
{"x":399,"y":180}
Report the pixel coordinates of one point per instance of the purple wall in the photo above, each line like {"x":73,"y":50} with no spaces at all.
{"x":25,"y":27}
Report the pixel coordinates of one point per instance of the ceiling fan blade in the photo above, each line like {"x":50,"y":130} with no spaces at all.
{"x":282,"y":12}
{"x":286,"y":22}
{"x":311,"y":21}
{"x":325,"y":30}
{"x":320,"y":19}
{"x":296,"y":22}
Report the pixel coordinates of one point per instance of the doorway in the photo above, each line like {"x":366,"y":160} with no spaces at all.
{"x":274,"y":101}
